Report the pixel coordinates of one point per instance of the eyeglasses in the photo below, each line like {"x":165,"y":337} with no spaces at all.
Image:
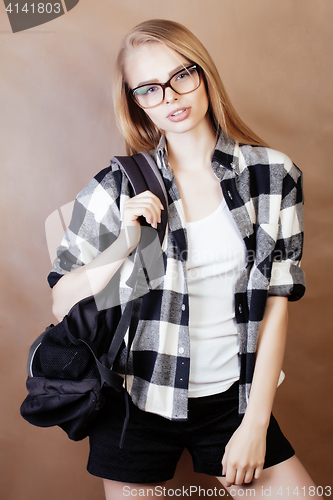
{"x":183,"y":82}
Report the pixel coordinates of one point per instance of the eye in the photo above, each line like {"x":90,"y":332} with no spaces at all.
{"x":147,"y":90}
{"x":183,"y":75}
{"x":151,"y":90}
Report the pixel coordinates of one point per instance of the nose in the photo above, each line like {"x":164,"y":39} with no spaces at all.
{"x":170,"y":95}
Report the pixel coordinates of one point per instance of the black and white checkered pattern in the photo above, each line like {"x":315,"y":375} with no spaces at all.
{"x":263,"y":191}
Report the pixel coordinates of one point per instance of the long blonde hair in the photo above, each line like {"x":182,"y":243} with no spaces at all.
{"x":139,"y":132}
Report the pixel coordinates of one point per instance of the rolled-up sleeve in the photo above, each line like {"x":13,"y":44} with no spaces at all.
{"x":94,"y":225}
{"x":287,"y":277}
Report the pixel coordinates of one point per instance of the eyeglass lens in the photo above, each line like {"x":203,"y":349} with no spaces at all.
{"x":182,"y":82}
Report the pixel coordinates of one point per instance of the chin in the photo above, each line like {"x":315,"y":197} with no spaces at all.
{"x":182,"y":127}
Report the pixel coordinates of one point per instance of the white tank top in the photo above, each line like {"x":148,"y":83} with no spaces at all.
{"x":216,"y":257}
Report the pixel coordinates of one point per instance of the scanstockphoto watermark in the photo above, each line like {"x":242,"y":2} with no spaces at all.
{"x":24,"y":15}
{"x":189,"y":491}
{"x":264,"y":492}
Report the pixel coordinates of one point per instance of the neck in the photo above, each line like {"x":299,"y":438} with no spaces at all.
{"x":192,"y":150}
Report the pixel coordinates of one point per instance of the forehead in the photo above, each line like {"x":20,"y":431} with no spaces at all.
{"x":152,"y":62}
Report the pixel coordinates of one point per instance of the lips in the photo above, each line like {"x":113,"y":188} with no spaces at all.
{"x":179,"y":114}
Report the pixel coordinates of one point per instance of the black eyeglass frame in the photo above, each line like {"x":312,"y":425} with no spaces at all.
{"x":168,"y":84}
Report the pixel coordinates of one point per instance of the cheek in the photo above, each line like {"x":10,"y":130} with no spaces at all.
{"x":203,"y":98}
{"x":154,"y":116}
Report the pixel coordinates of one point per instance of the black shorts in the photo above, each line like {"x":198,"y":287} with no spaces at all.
{"x":153,"y":444}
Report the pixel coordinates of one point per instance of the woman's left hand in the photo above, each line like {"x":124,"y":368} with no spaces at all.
{"x":244,"y":455}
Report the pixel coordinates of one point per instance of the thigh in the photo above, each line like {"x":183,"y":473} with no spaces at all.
{"x":284,"y":480}
{"x":115,"y":490}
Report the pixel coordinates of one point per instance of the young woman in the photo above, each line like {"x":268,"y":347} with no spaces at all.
{"x":206,"y":358}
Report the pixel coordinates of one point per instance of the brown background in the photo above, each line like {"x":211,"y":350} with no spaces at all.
{"x":58,"y":131}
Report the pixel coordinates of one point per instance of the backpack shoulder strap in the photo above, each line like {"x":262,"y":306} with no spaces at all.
{"x":144,"y":175}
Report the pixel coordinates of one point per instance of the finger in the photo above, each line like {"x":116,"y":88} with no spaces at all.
{"x":152,"y":216}
{"x":231,"y":475}
{"x":258,"y":471}
{"x":248,"y":475}
{"x":153,"y":211}
{"x":155,"y":197}
{"x":240,"y":476}
{"x":134,"y":210}
{"x":224,"y":462}
{"x":151,"y":195}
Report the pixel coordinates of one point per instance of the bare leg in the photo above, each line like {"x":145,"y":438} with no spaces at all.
{"x":283,"y":481}
{"x":116,"y":490}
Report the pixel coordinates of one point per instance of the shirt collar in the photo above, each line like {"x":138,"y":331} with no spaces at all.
{"x":226,"y":155}
{"x":160,"y":154}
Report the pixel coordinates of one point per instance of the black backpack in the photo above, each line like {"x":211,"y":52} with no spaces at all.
{"x":71,"y":363}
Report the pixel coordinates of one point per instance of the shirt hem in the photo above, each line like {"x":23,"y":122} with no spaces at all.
{"x":212,"y":390}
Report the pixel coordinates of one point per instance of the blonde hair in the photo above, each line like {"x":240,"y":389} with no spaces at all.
{"x":139,"y":132}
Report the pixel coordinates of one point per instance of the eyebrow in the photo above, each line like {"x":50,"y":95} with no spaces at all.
{"x":182,"y":66}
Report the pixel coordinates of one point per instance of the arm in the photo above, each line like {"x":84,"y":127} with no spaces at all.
{"x":245,"y":452}
{"x":92,"y":277}
{"x":270,"y":353}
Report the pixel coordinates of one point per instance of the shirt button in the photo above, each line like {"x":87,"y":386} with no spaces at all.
{"x":230,"y":195}
{"x":181,"y":350}
{"x":183,"y":307}
{"x":240,"y":308}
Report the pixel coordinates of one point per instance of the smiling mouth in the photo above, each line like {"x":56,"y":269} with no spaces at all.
{"x":178,"y":112}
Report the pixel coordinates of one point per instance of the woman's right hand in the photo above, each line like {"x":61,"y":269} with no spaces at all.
{"x":91,"y":278}
{"x":146,"y":204}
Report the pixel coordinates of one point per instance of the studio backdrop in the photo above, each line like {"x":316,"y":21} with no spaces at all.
{"x":58,"y":130}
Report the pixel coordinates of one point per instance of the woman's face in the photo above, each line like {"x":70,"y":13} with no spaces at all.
{"x":155,"y":63}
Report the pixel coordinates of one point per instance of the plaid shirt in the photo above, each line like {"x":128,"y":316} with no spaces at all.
{"x":263,"y":191}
